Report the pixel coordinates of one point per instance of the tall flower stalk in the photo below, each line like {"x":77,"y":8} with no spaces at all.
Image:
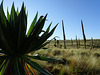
{"x":64,"y":35}
{"x":83,"y":34}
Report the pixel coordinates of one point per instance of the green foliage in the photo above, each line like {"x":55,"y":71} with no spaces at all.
{"x":15,"y":44}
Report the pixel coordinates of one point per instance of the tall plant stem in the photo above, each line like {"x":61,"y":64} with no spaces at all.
{"x":83,"y":34}
{"x":63,"y":34}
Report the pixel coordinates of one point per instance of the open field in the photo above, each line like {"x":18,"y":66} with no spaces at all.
{"x":73,"y":43}
{"x":75,"y":61}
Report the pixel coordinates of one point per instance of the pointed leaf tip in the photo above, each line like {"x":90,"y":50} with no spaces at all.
{"x":23,"y":4}
{"x":13,"y":3}
{"x":1,"y":4}
{"x":46,"y":15}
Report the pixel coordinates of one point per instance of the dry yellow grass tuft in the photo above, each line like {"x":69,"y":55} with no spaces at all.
{"x":75,"y":61}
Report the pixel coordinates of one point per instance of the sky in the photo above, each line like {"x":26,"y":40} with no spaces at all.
{"x":70,"y":11}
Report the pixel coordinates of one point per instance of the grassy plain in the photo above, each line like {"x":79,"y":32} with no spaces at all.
{"x":75,"y":61}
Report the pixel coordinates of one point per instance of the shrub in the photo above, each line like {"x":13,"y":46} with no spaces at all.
{"x":15,"y":43}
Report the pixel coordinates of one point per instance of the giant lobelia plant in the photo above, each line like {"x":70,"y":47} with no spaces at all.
{"x":15,"y":43}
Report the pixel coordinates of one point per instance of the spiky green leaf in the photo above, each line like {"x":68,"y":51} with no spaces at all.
{"x":32,"y":25}
{"x":22,"y":25}
{"x":18,"y":68}
{"x":5,"y":67}
{"x":42,"y":58}
{"x":8,"y":15}
{"x":37,"y":66}
{"x":2,"y":15}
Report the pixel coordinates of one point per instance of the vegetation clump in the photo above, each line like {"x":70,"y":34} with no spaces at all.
{"x":74,"y":61}
{"x":16,"y":44}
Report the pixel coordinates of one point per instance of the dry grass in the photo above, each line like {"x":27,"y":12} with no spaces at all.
{"x":75,"y":61}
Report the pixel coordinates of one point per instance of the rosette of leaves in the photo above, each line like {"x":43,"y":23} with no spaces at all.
{"x":15,"y":43}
